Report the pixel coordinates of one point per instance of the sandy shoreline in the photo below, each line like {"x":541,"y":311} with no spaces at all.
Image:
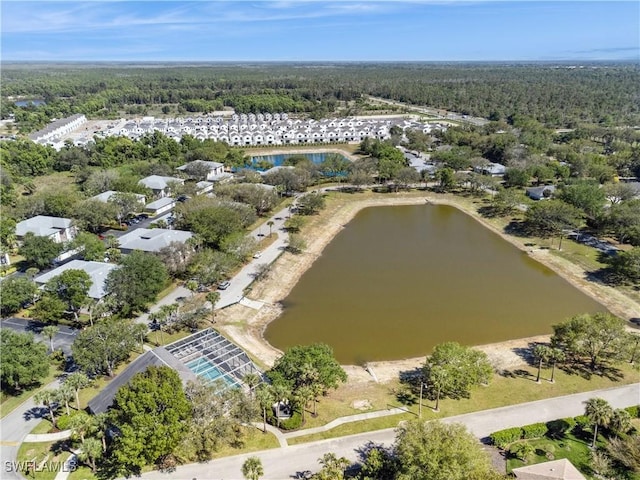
{"x":246,"y":326}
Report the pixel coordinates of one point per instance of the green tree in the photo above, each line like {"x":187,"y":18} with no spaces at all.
{"x":599,"y":412}
{"x":65,"y":395}
{"x":92,"y":247}
{"x":446,"y":179}
{"x":252,"y":468}
{"x":49,"y":308}
{"x":516,"y":177}
{"x":599,"y":338}
{"x":93,"y":214}
{"x":452,"y":369}
{"x":38,"y":251}
{"x":100,"y":348}
{"x":23,"y":361}
{"x":625,"y":450}
{"x":586,"y":196}
{"x":151,"y":413}
{"x":16,"y":292}
{"x":72,"y":287}
{"x":522,"y":450}
{"x":541,"y":353}
{"x":50,"y":331}
{"x":438,"y":451}
{"x":77,"y":381}
{"x":550,"y":218}
{"x":139,"y":279}
{"x":48,"y":398}
{"x":624,"y":267}
{"x":506,"y":201}
{"x":125,"y":204}
{"x":81,"y":424}
{"x":296,"y":244}
{"x":310,"y":203}
{"x":333,"y":467}
{"x":90,"y":452}
{"x":265,"y":398}
{"x":620,"y":422}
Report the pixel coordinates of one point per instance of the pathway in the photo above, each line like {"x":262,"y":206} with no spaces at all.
{"x":293,"y":461}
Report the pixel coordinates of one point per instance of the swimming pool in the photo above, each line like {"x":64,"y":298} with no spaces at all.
{"x":203,"y":368}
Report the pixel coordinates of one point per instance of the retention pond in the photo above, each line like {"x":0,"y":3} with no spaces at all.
{"x":399,"y":280}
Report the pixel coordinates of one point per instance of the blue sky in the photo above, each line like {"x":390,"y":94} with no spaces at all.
{"x":305,"y":30}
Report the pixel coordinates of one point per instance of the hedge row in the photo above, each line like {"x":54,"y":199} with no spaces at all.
{"x":503,"y":438}
{"x":555,"y":429}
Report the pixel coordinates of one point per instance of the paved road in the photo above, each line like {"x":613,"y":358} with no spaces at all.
{"x":13,"y":428}
{"x":290,"y":462}
{"x":63,"y":339}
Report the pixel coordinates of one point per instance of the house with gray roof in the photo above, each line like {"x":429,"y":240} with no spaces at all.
{"x":561,"y":469}
{"x":540,"y":193}
{"x":151,"y":240}
{"x":216,"y":169}
{"x":97,"y":271}
{"x":106,"y":196}
{"x":160,"y":206}
{"x":56,"y":228}
{"x":159,"y":185}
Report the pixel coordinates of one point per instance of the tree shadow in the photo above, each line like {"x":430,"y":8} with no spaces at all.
{"x":35,"y":412}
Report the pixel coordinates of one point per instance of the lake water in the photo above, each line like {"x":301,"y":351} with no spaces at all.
{"x":25,"y":103}
{"x":278,"y":160}
{"x":399,"y":280}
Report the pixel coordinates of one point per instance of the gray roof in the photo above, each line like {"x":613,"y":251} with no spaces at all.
{"x":105,"y":196}
{"x":98,"y":272}
{"x":152,"y":240}
{"x":42,"y":225}
{"x":211,"y":165}
{"x":561,"y":469}
{"x":157,"y":182}
{"x":158,"y":357}
{"x":162,"y":202}
{"x":538,"y":192}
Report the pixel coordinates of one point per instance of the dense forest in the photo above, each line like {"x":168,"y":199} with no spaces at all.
{"x":554,"y":95}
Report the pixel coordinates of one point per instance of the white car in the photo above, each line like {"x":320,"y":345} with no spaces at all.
{"x":257,"y":255}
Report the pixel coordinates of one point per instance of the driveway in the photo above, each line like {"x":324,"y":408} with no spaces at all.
{"x":63,"y":339}
{"x":291,"y":462}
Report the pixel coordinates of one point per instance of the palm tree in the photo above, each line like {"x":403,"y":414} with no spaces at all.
{"x":50,"y":331}
{"x":281,"y":393}
{"x":620,"y":422}
{"x":252,"y":468}
{"x":213,"y":298}
{"x":265,"y":397}
{"x":65,"y":394}
{"x":304,"y":394}
{"x":81,"y":424}
{"x":541,"y":353}
{"x":101,"y":425}
{"x":599,"y":412}
{"x":251,"y":380}
{"x":438,"y":378}
{"x":556,"y":355}
{"x":270,"y":224}
{"x":192,"y":286}
{"x":48,"y":398}
{"x":77,"y":381}
{"x":91,"y":450}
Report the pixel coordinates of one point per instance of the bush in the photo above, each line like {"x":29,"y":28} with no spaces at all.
{"x":582,"y":422}
{"x":535,"y":430}
{"x":559,"y":428}
{"x":503,"y":438}
{"x":63,"y":422}
{"x":634,"y":411}
{"x":58,"y":358}
{"x":292,"y":423}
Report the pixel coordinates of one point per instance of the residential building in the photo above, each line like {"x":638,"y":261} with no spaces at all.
{"x":159,"y":185}
{"x":58,"y":229}
{"x":97,"y":271}
{"x":151,"y":240}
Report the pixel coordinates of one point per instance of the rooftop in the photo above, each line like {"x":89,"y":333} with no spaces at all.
{"x":157,"y":182}
{"x":556,"y":470}
{"x":152,"y":240}
{"x":98,"y":272}
{"x":42,"y":225}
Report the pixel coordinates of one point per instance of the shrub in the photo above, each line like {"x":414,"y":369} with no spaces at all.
{"x":63,"y":422}
{"x":292,"y":423}
{"x":535,"y":430}
{"x":559,"y":428}
{"x":634,"y":411}
{"x":503,"y":438}
{"x":522,"y":450}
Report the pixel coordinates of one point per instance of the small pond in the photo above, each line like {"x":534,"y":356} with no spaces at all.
{"x":399,"y":280}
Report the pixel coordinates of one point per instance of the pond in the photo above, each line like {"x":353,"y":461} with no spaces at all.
{"x":399,"y":280}
{"x":278,"y":160}
{"x":25,"y":103}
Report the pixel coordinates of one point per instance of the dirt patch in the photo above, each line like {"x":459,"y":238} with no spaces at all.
{"x":246,"y":326}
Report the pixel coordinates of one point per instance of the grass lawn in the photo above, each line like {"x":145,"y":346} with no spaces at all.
{"x":49,"y":458}
{"x":502,"y":391}
{"x":10,"y":403}
{"x":575,"y":448}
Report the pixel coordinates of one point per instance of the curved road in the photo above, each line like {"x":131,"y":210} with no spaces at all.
{"x":292,"y":462}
